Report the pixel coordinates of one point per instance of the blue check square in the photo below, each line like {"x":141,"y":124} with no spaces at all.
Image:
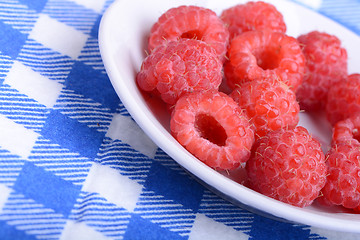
{"x":46,"y":188}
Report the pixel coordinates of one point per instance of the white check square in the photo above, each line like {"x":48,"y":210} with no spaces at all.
{"x":58,"y":36}
{"x":209,"y":229}
{"x":114,"y":187}
{"x":80,"y":231}
{"x":16,"y":138}
{"x":33,"y":84}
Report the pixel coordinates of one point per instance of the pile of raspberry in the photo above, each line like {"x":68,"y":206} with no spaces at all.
{"x":234,"y":85}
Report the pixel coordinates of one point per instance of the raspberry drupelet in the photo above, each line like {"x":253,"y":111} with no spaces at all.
{"x":288,"y":165}
{"x":261,"y":54}
{"x":192,"y":22}
{"x":343,"y":100}
{"x":269,"y":103}
{"x":212,"y":127}
{"x":253,"y":16}
{"x":178,"y":67}
{"x":326,"y":64}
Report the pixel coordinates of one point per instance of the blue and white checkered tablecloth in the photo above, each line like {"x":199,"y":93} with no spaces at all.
{"x":73,"y":163}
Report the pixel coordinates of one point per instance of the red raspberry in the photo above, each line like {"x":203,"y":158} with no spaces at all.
{"x":343,"y":99}
{"x":253,"y":16}
{"x":343,"y":181}
{"x":261,"y":54}
{"x":180,"y":66}
{"x":269,"y":104}
{"x":326,"y":64}
{"x":211,"y":126}
{"x":190,"y":22}
{"x":347,"y":129}
{"x":287,"y":165}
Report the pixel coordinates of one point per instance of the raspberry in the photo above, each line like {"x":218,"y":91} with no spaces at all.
{"x":253,"y":16}
{"x":190,"y":22}
{"x":180,"y":66}
{"x":261,"y":54}
{"x":326,"y":64}
{"x":343,"y":99}
{"x":287,"y":165}
{"x":269,"y":104}
{"x":347,"y":129}
{"x":211,"y":126}
{"x":343,"y":181}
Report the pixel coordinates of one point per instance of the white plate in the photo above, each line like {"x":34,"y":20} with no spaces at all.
{"x":122,"y":37}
